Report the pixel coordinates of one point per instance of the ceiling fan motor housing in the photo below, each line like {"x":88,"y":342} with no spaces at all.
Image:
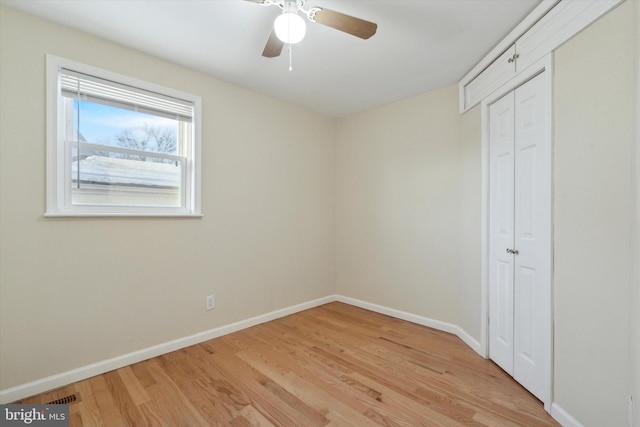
{"x":289,"y":26}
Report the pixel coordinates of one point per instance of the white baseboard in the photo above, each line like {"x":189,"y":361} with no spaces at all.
{"x":88,"y":371}
{"x":60,"y":380}
{"x":563,"y":417}
{"x":414,"y":318}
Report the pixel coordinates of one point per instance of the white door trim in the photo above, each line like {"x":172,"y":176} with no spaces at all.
{"x":543,"y":65}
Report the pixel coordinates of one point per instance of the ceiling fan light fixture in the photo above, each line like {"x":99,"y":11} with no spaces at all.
{"x":290,"y":27}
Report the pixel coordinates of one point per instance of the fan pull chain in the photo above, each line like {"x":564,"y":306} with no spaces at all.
{"x":290,"y":59}
{"x":289,"y":32}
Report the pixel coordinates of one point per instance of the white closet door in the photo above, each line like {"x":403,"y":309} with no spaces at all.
{"x":501,"y":225}
{"x":520,"y":233}
{"x":531,"y":236}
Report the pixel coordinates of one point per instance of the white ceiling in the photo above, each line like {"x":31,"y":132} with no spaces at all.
{"x":419,"y":46}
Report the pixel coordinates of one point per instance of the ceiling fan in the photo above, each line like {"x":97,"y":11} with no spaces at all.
{"x":289,"y":27}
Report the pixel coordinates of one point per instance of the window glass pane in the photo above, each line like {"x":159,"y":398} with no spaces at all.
{"x":113,"y":126}
{"x":114,"y":178}
{"x":129,"y":174}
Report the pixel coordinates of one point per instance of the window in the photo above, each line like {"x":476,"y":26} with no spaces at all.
{"x":119,"y":146}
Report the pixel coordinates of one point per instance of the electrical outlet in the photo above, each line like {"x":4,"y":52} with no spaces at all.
{"x":210,"y":303}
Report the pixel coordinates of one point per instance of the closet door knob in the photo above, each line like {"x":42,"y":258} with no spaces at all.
{"x":512,"y":251}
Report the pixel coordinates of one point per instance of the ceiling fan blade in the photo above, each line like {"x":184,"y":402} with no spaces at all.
{"x":273,"y":47}
{"x":345,"y":23}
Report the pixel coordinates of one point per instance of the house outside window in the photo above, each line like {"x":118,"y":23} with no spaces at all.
{"x":118,"y":146}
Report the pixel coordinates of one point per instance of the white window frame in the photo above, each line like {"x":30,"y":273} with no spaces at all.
{"x":58,"y":199}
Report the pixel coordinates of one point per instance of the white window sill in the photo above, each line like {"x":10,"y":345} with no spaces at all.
{"x":120,"y":215}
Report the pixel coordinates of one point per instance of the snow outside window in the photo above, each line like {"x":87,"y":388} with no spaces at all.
{"x":119,"y":146}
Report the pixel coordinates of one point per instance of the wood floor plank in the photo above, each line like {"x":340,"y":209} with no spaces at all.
{"x":88,"y":407}
{"x":128,"y":408}
{"x":322,"y":381}
{"x":319,"y":400}
{"x":410,"y":408}
{"x":261,"y":390}
{"x":170,"y":399}
{"x":195,"y":390}
{"x":133,"y":385}
{"x":333,"y":365}
{"x":229,"y":393}
{"x":255,"y":418}
{"x":107,"y":404}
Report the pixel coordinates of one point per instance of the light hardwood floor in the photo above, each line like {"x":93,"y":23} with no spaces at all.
{"x":331,"y":365}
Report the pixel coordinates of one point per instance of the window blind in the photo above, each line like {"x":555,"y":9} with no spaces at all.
{"x":98,"y":90}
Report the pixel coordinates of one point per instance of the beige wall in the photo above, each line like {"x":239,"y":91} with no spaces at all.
{"x":78,"y":291}
{"x":383,"y":206}
{"x":594,"y":132}
{"x":634,"y":336}
{"x":408,"y":208}
{"x":470,"y":223}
